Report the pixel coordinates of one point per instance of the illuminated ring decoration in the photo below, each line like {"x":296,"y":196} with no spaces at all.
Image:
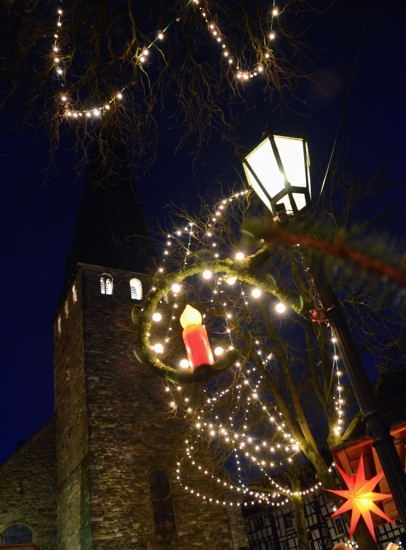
{"x":145,"y":354}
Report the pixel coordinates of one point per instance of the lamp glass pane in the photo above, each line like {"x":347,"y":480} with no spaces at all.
{"x":286,"y":202}
{"x":300,"y":200}
{"x":263,"y":163}
{"x":293,"y":159}
{"x":257,"y":189}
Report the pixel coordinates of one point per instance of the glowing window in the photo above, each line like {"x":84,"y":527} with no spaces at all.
{"x":74,"y":294}
{"x":66,"y":309}
{"x":106,"y":284}
{"x":136,"y":289}
{"x":16,"y":534}
{"x":58,"y":325}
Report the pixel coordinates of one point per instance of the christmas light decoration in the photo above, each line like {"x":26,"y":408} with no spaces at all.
{"x":242,"y":75}
{"x":143,"y":56}
{"x":267,"y":453}
{"x":360,"y":498}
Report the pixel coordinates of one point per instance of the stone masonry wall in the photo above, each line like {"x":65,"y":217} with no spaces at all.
{"x":71,"y":424}
{"x":28,"y":488}
{"x":124,"y":431}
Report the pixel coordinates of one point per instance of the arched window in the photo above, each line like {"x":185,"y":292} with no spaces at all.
{"x":161,"y":503}
{"x":74,"y":294}
{"x":106,"y":284}
{"x":136,"y":289}
{"x":66,"y":309}
{"x":16,"y":534}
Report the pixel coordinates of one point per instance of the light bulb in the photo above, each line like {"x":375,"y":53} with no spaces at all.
{"x":218,"y":351}
{"x":280,"y":307}
{"x":176,"y":287}
{"x":256,"y":292}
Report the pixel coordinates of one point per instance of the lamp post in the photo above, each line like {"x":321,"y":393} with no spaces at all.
{"x":278,"y":171}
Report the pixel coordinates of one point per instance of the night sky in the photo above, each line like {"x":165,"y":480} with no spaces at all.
{"x":38,"y":219}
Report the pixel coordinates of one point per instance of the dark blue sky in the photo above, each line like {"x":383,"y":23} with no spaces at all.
{"x":38,"y":220}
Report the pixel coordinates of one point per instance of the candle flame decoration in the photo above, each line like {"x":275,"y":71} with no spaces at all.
{"x":195,"y":338}
{"x":360,"y":498}
{"x":190,"y":316}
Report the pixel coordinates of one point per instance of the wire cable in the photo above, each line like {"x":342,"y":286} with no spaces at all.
{"x":346,"y":101}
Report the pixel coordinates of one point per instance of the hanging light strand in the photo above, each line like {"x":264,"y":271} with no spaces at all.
{"x":218,"y":37}
{"x":72,"y":112}
{"x":233,"y":431}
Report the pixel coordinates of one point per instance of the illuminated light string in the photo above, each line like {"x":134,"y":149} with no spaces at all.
{"x":256,"y":496}
{"x":178,"y":238}
{"x":253,"y":395}
{"x":338,"y":394}
{"x":254,"y":447}
{"x":60,"y":70}
{"x":247,"y":447}
{"x":253,"y":392}
{"x":221,"y":501}
{"x":279,"y":497}
{"x":223,"y":484}
{"x":289,"y":444}
{"x":144,"y":56}
{"x":220,"y":210}
{"x":171,"y":239}
{"x":219,"y":38}
{"x":336,"y":370}
{"x":260,"y":463}
{"x":237,"y":458}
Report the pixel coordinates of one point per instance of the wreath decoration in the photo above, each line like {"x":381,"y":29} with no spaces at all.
{"x":242,"y":271}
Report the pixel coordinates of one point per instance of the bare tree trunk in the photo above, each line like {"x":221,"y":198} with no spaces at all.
{"x":301,"y":524}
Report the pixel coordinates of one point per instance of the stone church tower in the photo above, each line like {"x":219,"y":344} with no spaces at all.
{"x":116,"y":442}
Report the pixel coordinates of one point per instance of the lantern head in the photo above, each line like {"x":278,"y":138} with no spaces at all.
{"x":278,"y":171}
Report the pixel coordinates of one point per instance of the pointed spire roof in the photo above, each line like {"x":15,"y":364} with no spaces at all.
{"x":110,"y":229}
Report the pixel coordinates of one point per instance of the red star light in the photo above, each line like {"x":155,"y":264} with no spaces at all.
{"x":360,"y":497}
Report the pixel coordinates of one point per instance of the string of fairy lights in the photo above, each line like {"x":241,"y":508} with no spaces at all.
{"x":144,"y":56}
{"x":247,"y":386}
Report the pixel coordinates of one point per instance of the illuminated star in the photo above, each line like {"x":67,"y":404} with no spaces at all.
{"x":360,"y":498}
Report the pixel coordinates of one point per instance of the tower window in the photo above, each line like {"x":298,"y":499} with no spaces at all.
{"x":161,"y":503}
{"x":106,"y":284}
{"x":16,"y":534}
{"x":136,"y":289}
{"x":74,"y":294}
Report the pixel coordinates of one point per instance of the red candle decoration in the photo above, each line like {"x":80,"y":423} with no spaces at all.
{"x":195,"y":338}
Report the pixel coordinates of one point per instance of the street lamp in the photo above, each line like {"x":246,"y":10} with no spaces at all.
{"x":278,"y":171}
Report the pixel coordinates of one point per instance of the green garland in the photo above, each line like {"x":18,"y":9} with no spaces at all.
{"x":243,"y":271}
